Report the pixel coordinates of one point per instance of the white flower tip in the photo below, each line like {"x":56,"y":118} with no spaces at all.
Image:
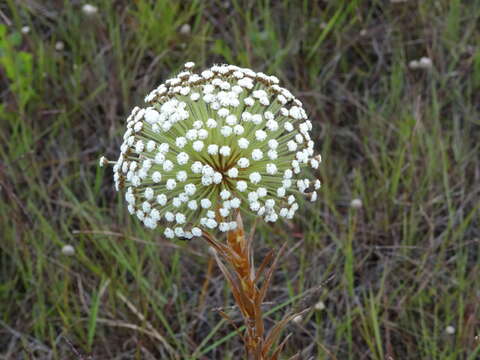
{"x":59,"y":46}
{"x":297,"y":319}
{"x":68,"y":250}
{"x":103,"y":161}
{"x":425,"y":63}
{"x":212,"y":251}
{"x":356,"y":204}
{"x":189,"y":65}
{"x":25,"y":29}
{"x":450,"y":330}
{"x":414,"y":64}
{"x":185,"y":29}
{"x":89,"y":9}
{"x":319,"y":306}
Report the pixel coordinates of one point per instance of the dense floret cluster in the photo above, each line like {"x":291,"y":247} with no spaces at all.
{"x":211,"y":144}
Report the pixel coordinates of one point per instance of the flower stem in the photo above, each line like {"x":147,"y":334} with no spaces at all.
{"x":240,"y":273}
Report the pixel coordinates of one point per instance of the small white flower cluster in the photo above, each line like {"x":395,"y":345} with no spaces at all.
{"x":211,"y":144}
{"x":424,"y":63}
{"x":89,"y":10}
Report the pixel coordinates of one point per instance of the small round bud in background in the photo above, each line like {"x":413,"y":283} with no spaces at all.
{"x":356,"y":204}
{"x":414,"y":64}
{"x":185,"y":29}
{"x":450,"y":330}
{"x":425,"y":63}
{"x":89,"y":10}
{"x":297,"y":319}
{"x":68,"y":250}
{"x":319,"y":306}
{"x":59,"y":45}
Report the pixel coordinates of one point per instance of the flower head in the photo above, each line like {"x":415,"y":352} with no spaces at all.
{"x":208,"y":145}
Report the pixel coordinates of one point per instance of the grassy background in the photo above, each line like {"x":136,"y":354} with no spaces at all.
{"x":394,"y":273}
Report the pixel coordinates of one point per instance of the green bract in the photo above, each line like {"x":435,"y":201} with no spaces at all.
{"x":211,"y":144}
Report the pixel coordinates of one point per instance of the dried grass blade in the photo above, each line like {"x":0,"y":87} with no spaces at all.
{"x":260,"y":329}
{"x":268,"y":276}
{"x":246,"y":306}
{"x":230,"y":321}
{"x":276,"y":354}
{"x":150,"y":327}
{"x":266,"y":260}
{"x":216,"y":245}
{"x":277,"y":329}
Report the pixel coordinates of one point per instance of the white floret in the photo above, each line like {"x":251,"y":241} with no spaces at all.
{"x":171,"y":184}
{"x":151,"y":146}
{"x":241,"y":185}
{"x":161,"y":199}
{"x":205,"y":203}
{"x":260,"y":135}
{"x":226,"y":131}
{"x":159,"y":158}
{"x":235,"y":203}
{"x":243,"y":162}
{"x":180,"y":218}
{"x":202,"y":134}
{"x":231,"y":120}
{"x":211,"y":123}
{"x":180,"y":142}
{"x":238,"y":129}
{"x":192,"y":205}
{"x":272,"y":154}
{"x":182,"y":158}
{"x":255,"y":177}
{"x":168,"y":165}
{"x":225,"y":150}
{"x":224,"y":227}
{"x":176,"y":202}
{"x":197,"y":145}
{"x":249,"y":101}
{"x":224,"y":212}
{"x":217,"y":178}
{"x":211,"y":224}
{"x":261,"y":192}
{"x":156,"y":177}
{"x":169,"y":233}
{"x":169,"y":216}
{"x":256,"y":119}
{"x":271,"y":169}
{"x":196,"y":231}
{"x":225,"y":194}
{"x":212,"y":149}
{"x":146,"y":207}
{"x":148,"y":193}
{"x":182,"y":176}
{"x":243,"y":143}
{"x":257,"y":154}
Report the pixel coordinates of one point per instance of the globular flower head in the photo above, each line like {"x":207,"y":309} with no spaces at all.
{"x":211,"y":144}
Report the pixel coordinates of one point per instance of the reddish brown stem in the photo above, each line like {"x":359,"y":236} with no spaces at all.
{"x":237,"y":254}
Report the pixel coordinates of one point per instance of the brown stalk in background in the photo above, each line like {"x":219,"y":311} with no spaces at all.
{"x":235,"y":260}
